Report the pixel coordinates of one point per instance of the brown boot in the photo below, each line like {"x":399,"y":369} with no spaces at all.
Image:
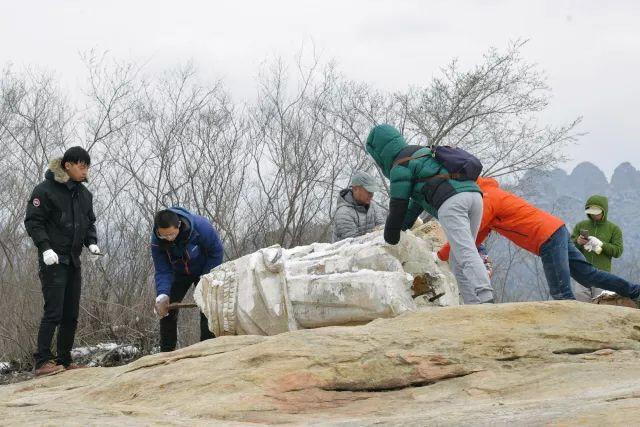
{"x":75,"y":366}
{"x":48,"y":368}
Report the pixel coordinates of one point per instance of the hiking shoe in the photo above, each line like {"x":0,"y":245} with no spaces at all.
{"x":48,"y":368}
{"x":611,"y":298}
{"x":72,"y":366}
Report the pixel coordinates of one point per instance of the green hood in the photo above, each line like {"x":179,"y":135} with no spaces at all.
{"x":384,"y":143}
{"x":600,"y":201}
{"x":605,"y":230}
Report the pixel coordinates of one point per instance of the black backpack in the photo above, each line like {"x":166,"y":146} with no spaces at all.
{"x":458,"y":162}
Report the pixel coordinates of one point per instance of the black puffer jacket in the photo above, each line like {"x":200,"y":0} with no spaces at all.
{"x":60,"y":215}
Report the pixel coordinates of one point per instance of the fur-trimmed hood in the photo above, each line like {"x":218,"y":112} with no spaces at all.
{"x":56,"y":171}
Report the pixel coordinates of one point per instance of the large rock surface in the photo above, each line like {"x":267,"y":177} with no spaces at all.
{"x":549,"y":363}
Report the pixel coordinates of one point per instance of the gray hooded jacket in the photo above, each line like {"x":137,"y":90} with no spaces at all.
{"x":352,"y":219}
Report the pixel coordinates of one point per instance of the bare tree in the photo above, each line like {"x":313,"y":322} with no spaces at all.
{"x":296,"y":158}
{"x":35,"y":125}
{"x":265,"y":172}
{"x":491,"y":110}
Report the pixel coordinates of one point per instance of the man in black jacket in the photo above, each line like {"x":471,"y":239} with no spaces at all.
{"x":60,"y":220}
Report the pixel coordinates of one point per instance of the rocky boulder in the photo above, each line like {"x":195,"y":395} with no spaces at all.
{"x":546,"y":363}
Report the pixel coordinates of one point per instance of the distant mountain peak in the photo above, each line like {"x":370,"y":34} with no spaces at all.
{"x":625,"y":177}
{"x":625,"y":166}
{"x":583,"y":181}
{"x":586,"y":179}
{"x":586,"y":167}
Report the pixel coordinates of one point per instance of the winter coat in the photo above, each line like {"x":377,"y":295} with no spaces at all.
{"x":352,"y":219}
{"x":196,"y":251}
{"x":512,"y":217}
{"x":605,"y":230}
{"x":60,"y":215}
{"x":409,"y":198}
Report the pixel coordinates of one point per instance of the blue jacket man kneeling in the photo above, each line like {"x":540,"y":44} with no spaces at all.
{"x":184,"y":246}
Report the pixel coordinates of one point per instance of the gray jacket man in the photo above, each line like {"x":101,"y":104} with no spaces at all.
{"x":356,"y":212}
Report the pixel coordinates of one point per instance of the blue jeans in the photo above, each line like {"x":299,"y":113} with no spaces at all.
{"x":561,"y":261}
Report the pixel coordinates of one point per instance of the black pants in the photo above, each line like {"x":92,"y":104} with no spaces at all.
{"x":169,"y":323}
{"x":61,"y":292}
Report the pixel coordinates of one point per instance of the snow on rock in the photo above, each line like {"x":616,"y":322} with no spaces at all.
{"x":104,"y":354}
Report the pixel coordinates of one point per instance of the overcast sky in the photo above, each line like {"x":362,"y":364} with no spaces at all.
{"x":590,"y":50}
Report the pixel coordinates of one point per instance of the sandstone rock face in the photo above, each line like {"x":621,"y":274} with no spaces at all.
{"x":350,"y":282}
{"x":548,"y":363}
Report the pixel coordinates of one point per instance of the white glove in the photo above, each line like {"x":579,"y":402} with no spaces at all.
{"x":94,"y":250}
{"x":50,"y":257}
{"x":596,"y":244}
{"x":595,"y":241}
{"x":588,"y":247}
{"x":162,"y":305}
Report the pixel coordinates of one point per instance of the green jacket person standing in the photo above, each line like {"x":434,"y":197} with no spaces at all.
{"x":603,"y":244}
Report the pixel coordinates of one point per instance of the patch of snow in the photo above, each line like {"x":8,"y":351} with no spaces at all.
{"x":128,"y":350}
{"x":124,"y":350}
{"x":86,"y":351}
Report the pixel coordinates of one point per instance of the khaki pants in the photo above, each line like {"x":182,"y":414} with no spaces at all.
{"x":460,"y":217}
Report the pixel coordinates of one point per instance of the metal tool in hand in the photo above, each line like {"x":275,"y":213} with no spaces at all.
{"x":179,"y":305}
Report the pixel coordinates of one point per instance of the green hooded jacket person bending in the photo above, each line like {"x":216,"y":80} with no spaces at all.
{"x":418,"y":184}
{"x":604,"y":242}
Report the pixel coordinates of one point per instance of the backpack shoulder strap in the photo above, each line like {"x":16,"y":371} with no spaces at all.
{"x":409,"y":158}
{"x":439,"y":176}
